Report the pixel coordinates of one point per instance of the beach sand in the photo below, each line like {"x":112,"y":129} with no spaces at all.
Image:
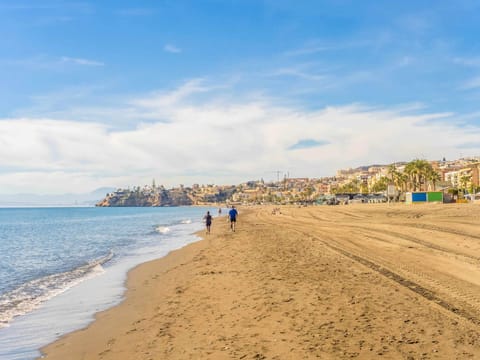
{"x":329,"y":282}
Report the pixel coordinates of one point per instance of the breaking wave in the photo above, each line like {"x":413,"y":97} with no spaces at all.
{"x":30,"y":295}
{"x":163,"y":229}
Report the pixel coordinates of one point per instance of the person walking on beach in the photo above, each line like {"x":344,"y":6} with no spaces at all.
{"x":233,"y":213}
{"x":208,"y":221}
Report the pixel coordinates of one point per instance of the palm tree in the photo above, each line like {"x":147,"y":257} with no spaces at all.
{"x":411,"y":171}
{"x":417,"y":171}
{"x":355,"y":185}
{"x":464,"y":180}
{"x":398,"y":178}
{"x":433,"y":177}
{"x":309,"y":190}
{"x":363,"y":188}
{"x":402,"y":181}
{"x":380,"y":184}
{"x":393,"y":173}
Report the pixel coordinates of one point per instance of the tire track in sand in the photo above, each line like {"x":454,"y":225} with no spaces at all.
{"x":378,"y":266}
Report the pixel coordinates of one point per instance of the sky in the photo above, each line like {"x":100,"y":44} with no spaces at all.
{"x":116,"y":93}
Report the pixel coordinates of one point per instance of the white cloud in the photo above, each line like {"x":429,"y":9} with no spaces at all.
{"x":297,"y":72}
{"x":317,"y":46}
{"x":42,"y":61}
{"x":172,"y":49}
{"x":165,"y":99}
{"x":79,"y":61}
{"x":308,"y":50}
{"x":215,"y":141}
{"x":470,"y":84}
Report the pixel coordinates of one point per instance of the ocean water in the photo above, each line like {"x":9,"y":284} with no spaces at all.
{"x":59,"y":266}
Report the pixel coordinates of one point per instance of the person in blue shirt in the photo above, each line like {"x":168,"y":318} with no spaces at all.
{"x":233,"y":213}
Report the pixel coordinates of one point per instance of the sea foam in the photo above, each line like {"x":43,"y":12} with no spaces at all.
{"x":30,"y":295}
{"x":163,"y":229}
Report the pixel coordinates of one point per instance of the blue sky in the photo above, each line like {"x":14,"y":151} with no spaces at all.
{"x":115,"y":93}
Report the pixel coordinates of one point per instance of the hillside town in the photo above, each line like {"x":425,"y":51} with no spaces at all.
{"x":456,"y":179}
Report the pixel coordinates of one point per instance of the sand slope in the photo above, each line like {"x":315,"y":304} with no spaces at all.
{"x":357,"y":281}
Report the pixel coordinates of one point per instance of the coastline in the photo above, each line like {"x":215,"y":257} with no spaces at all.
{"x":330,"y":282}
{"x":137,"y":295}
{"x":79,"y":285}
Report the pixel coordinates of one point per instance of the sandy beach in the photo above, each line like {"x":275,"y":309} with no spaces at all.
{"x":329,"y":282}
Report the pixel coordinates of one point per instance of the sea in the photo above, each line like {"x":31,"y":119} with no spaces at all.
{"x":60,"y":266}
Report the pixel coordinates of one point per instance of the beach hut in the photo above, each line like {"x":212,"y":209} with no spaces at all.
{"x":435,"y":196}
{"x":422,"y":197}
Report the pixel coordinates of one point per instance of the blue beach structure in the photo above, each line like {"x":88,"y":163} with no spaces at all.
{"x":422,"y":197}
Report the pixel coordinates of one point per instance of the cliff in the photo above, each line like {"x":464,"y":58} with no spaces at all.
{"x":175,"y":197}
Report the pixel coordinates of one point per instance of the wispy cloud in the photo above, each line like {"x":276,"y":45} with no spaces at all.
{"x":297,"y":72}
{"x":307,"y":144}
{"x":307,"y":50}
{"x":42,"y":61}
{"x":166,"y":99}
{"x":80,"y":61}
{"x":466,"y":61}
{"x":172,"y":49}
{"x":317,"y":47}
{"x":63,"y":102}
{"x":471,"y":84}
{"x":51,"y":64}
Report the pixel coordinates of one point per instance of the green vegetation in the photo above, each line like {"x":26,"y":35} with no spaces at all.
{"x":419,"y":175}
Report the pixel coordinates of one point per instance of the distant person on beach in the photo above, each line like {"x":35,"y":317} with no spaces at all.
{"x":219,"y":211}
{"x":276,"y":211}
{"x":232,"y":214}
{"x":208,"y":221}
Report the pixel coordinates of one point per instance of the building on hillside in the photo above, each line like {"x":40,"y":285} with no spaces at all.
{"x":345,"y":172}
{"x":378,"y":170}
{"x":464,"y":178}
{"x":296,"y":183}
{"x":322,"y":187}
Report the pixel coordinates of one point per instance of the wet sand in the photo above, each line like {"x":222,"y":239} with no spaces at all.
{"x":329,"y":282}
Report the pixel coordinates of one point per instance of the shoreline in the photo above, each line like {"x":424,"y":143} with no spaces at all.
{"x":82,"y":294}
{"x":306,"y":283}
{"x":134,"y":276}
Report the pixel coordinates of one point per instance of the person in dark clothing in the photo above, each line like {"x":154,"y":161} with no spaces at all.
{"x":208,"y":221}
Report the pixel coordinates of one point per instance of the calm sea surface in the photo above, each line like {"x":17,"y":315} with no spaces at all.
{"x":58,"y":266}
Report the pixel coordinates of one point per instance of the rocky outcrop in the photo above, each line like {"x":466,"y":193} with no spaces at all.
{"x":175,"y":197}
{"x":159,"y":196}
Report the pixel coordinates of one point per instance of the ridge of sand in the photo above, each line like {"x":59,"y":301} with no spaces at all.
{"x":357,"y":281}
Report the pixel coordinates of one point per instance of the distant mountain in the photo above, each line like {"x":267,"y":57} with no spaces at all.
{"x":86,"y":199}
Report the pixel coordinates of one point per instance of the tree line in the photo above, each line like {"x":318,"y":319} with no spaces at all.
{"x":418,"y":175}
